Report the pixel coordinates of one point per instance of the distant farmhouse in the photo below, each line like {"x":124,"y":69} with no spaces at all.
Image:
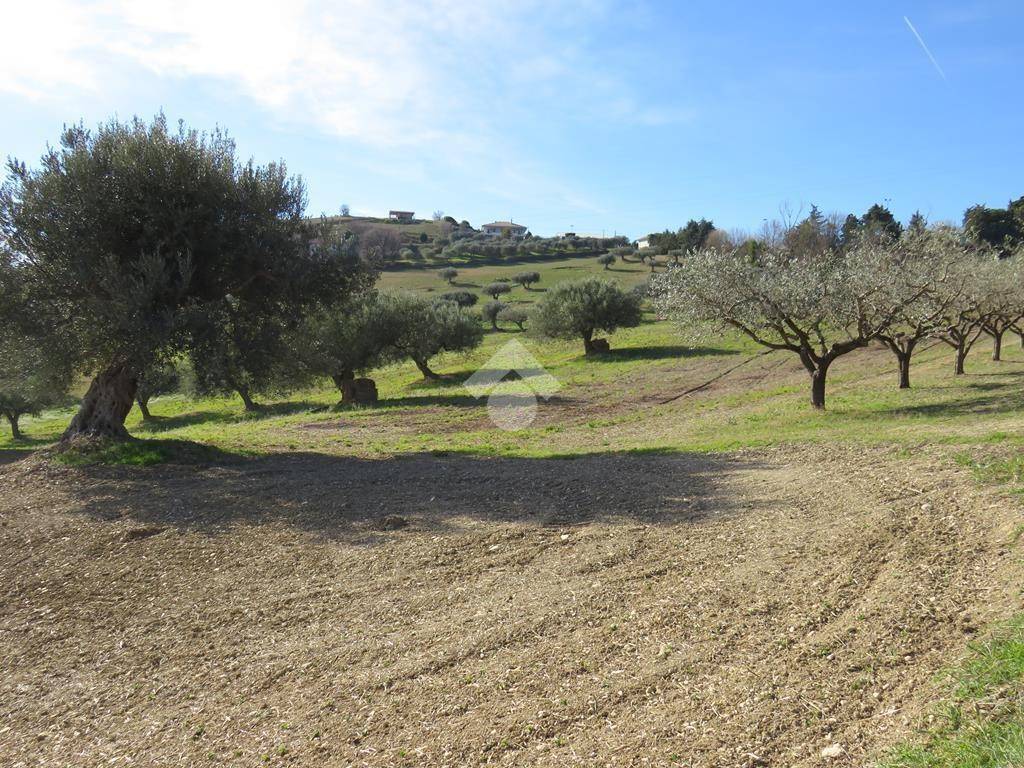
{"x":504,"y":229}
{"x":400,"y":215}
{"x":643,"y":242}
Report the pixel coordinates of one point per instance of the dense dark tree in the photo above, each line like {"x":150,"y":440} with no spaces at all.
{"x":1001,"y":228}
{"x":815,"y":234}
{"x":578,"y":309}
{"x":917,"y":225}
{"x":877,"y":224}
{"x":127,"y":233}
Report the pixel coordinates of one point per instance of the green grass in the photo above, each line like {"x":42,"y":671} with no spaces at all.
{"x":622,"y":401}
{"x":982,"y":725}
{"x":473,"y":278}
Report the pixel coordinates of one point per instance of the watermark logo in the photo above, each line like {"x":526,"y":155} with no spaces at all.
{"x":512,"y":380}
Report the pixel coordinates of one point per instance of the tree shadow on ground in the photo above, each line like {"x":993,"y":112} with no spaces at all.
{"x":11,"y":455}
{"x":988,"y":400}
{"x":657,"y":353}
{"x":357,"y":500}
{"x":158,"y":423}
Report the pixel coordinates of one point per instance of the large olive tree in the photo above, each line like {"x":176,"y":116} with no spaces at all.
{"x":127,"y":234}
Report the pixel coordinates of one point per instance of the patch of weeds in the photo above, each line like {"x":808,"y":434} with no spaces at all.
{"x":1006,"y":471}
{"x":982,"y":725}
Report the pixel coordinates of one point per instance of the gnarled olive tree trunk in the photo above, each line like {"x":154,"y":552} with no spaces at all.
{"x":143,"y":403}
{"x":105,"y":406}
{"x":425,"y":370}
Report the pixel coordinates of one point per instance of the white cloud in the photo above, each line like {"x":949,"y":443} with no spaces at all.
{"x":442,"y":76}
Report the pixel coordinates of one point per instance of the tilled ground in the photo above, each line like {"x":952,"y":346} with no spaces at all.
{"x":613,"y":609}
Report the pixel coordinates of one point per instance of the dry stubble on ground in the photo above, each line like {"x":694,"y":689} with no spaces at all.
{"x":619,"y":610}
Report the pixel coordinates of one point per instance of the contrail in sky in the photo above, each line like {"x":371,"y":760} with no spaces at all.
{"x":925,"y":48}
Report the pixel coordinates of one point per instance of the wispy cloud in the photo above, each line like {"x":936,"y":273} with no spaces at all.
{"x":924,"y":47}
{"x":443,"y":78}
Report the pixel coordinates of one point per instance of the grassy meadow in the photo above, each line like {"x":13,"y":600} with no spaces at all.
{"x":653,"y":392}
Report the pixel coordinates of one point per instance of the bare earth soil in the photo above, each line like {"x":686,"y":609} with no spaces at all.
{"x":614,"y":609}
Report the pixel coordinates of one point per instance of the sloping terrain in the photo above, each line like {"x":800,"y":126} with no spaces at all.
{"x":614,"y":609}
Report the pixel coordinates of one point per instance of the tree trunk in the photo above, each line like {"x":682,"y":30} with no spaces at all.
{"x":818,"y":385}
{"x":339,"y":380}
{"x":143,"y":403}
{"x":961,"y":355}
{"x":12,"y":419}
{"x":997,"y":346}
{"x":904,"y":365}
{"x":425,"y":370}
{"x":105,"y":406}
{"x":247,"y":401}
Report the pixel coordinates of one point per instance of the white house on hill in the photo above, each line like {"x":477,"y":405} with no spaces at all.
{"x":504,"y":229}
{"x":400,"y":215}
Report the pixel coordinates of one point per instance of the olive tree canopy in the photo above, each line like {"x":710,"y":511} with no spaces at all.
{"x":125,"y":234}
{"x":578,"y":309}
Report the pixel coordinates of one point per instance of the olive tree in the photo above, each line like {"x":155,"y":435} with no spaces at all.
{"x":515,"y":315}
{"x":161,"y":378}
{"x":933,"y":267}
{"x":1003,"y":302}
{"x":448,"y":274}
{"x":964,"y":320}
{"x":577,"y":309}
{"x":346,"y":339}
{"x":490,"y":312}
{"x":423,"y":329}
{"x":30,"y":380}
{"x":606,"y":260}
{"x":496,"y":289}
{"x":819,"y":306}
{"x":462,"y":298}
{"x":128,"y":233}
{"x":526,"y":279}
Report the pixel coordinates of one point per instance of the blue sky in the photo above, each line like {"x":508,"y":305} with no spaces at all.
{"x":594,"y":116}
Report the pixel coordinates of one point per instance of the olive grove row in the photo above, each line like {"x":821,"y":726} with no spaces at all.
{"x":821,"y":305}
